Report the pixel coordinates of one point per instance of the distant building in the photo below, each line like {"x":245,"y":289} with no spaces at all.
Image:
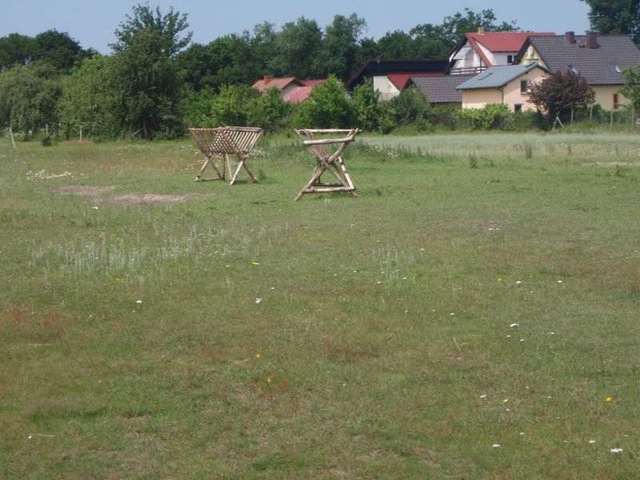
{"x":441,"y":90}
{"x":292,"y":90}
{"x":481,"y":50}
{"x":390,"y":78}
{"x":599,"y":59}
{"x":506,"y":85}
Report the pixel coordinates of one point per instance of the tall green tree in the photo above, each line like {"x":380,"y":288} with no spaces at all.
{"x":59,"y":50}
{"x":89,"y":99}
{"x":170,"y":29}
{"x":340,"y":45}
{"x":298,"y":48}
{"x":16,"y":49}
{"x":146,"y":76}
{"x":28,"y":97}
{"x":631,"y":88}
{"x":616,"y":16}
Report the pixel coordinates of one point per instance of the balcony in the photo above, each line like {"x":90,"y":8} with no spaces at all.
{"x":467,"y":70}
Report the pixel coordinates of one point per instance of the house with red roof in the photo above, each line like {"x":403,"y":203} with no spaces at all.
{"x":481,"y":50}
{"x":292,"y":90}
{"x":391,"y":77}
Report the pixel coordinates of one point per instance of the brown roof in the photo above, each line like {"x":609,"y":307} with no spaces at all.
{"x":599,"y":66}
{"x":441,"y":89}
{"x":267,"y":83}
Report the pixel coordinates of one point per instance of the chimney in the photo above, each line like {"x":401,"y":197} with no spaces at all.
{"x":570,"y":37}
{"x":481,"y":30}
{"x":592,"y":40}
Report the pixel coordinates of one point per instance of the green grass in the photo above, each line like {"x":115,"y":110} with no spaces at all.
{"x":382,"y":347}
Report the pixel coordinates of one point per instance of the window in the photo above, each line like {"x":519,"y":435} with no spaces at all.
{"x":524,"y":87}
{"x":517,"y":108}
{"x":510,"y":59}
{"x":616,"y":101}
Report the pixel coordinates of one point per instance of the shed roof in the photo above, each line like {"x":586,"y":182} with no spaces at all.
{"x":599,"y":66}
{"x":267,"y":83}
{"x":496,"y":77}
{"x":441,"y":89}
{"x":386,"y":67}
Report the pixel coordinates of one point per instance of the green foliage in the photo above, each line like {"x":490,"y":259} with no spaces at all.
{"x":369,"y":112}
{"x":16,"y":49}
{"x":146,"y":75}
{"x":560,"y":94}
{"x":329,"y":106}
{"x":631,"y":89}
{"x":89,"y":99}
{"x":28,"y":98}
{"x":231,"y":105}
{"x":410,"y":107}
{"x":268,"y":111}
{"x":492,"y":117}
{"x":169,"y":29}
{"x":615,"y":16}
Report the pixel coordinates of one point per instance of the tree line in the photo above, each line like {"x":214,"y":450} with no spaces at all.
{"x":155,"y":80}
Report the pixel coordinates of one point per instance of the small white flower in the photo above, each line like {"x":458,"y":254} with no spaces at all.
{"x":496,"y":445}
{"x":592,"y":442}
{"x":483,"y":396}
{"x":452,"y":314}
{"x":560,"y":282}
{"x":514,"y":325}
{"x":519,"y":282}
{"x":258,"y":301}
{"x":522,"y":339}
{"x":508,"y":336}
{"x":139,"y":302}
{"x":96,"y":208}
{"x":506,"y":400}
{"x":616,"y":450}
{"x":522,"y":434}
{"x":552,"y":333}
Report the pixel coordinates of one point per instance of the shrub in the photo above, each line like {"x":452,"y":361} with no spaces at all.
{"x":491,"y":117}
{"x":268,"y":111}
{"x":329,"y":106}
{"x":370,"y":114}
{"x":409,"y":107}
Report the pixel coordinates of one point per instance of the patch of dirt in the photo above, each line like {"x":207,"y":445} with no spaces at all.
{"x":149,"y":199}
{"x":83,"y":191}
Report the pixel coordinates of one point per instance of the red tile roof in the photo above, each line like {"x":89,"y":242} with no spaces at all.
{"x":312,"y":83}
{"x":502,"y":42}
{"x":298,"y":95}
{"x":400,"y":80}
{"x":268,"y":83}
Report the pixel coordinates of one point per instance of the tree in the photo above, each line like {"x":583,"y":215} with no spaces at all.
{"x":329,"y":106}
{"x":148,"y":87}
{"x":169,"y":28}
{"x":28,"y":98}
{"x":340,"y":45}
{"x":88,"y":100}
{"x":16,"y":49}
{"x":58,"y":50}
{"x":631,"y":89}
{"x":298,"y":47}
{"x":616,"y":16}
{"x":146,"y":76}
{"x":369,"y":113}
{"x":561,"y":94}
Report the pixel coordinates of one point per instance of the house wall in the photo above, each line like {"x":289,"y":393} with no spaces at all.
{"x":604,"y":96}
{"x":509,"y":95}
{"x":531,"y":56}
{"x":387,"y":89}
{"x":512,"y":92}
{"x":480,"y":98}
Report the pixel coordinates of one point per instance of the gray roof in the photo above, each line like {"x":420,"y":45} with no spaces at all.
{"x":441,"y":89}
{"x":496,"y":77}
{"x":599,"y":66}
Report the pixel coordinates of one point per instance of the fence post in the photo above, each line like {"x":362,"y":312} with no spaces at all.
{"x":13,"y":140}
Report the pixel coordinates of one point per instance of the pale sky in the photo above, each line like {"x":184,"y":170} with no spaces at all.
{"x":92,"y":22}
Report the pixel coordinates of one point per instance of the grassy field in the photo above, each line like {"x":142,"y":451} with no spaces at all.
{"x":472,"y":315}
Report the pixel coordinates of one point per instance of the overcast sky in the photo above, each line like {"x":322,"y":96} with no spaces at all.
{"x":92,"y":22}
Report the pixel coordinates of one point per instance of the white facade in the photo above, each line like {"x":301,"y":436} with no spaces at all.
{"x":385,"y":87}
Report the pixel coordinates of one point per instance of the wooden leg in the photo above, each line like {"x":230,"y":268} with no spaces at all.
{"x":208,"y":161}
{"x":251,"y":175}
{"x":237,"y":172}
{"x":316,"y":176}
